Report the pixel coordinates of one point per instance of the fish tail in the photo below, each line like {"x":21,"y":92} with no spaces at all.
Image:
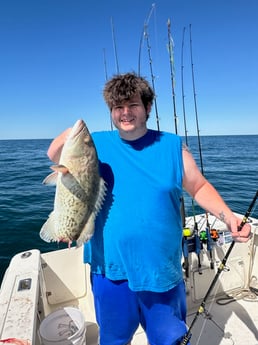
{"x":47,"y":232}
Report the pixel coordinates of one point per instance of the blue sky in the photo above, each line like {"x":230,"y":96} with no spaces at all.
{"x":55,"y":55}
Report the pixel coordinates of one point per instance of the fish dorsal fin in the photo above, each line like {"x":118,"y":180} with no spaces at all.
{"x":88,"y":230}
{"x":101,"y":195}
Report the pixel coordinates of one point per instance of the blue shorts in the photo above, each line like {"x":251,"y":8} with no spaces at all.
{"x":119,"y":311}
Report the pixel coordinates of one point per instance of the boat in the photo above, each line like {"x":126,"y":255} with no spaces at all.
{"x":38,"y":285}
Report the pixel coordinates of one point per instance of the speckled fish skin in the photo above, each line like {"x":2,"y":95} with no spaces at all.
{"x":80,"y":190}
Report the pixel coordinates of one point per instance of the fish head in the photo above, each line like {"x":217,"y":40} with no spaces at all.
{"x":77,"y":140}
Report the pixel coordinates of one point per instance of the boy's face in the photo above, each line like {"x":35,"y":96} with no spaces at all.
{"x":130,"y":118}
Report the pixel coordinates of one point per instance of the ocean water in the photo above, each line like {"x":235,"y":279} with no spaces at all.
{"x":229,"y":162}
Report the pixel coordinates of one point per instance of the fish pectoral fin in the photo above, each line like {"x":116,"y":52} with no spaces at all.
{"x":51,"y":179}
{"x":47,"y":232}
{"x":60,"y":168}
{"x":87,"y":231}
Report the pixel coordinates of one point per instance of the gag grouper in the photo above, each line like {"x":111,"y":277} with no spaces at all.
{"x":80,"y":190}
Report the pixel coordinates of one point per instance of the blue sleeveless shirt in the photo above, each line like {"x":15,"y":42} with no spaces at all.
{"x":138,"y":231}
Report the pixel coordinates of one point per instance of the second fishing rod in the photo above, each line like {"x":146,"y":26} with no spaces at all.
{"x":207,"y":238}
{"x":221,"y":267}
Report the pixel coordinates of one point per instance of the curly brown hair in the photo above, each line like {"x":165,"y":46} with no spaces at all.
{"x":122,"y":87}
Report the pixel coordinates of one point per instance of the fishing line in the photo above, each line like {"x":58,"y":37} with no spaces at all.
{"x":220,"y":269}
{"x":252,"y":279}
{"x":208,"y":316}
{"x":247,"y":293}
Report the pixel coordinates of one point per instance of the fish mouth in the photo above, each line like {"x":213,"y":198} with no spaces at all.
{"x":77,"y":128}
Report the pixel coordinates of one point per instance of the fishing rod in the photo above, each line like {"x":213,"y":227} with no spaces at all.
{"x":172,"y":71}
{"x":114,"y":45}
{"x":208,"y":238}
{"x":152,"y":77}
{"x":216,"y":277}
{"x":146,"y":36}
{"x":187,"y":232}
{"x":197,"y":241}
{"x":105,"y":64}
{"x":116,"y":60}
{"x":182,"y":86}
{"x":195,"y":102}
{"x":146,"y":22}
{"x":106,"y":78}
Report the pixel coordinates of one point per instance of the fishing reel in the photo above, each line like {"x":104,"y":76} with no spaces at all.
{"x":214,"y":235}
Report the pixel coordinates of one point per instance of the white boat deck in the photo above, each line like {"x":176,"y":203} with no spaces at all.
{"x":232,"y":324}
{"x":37,"y":284}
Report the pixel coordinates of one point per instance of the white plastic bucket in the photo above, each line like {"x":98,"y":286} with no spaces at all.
{"x":65,"y":326}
